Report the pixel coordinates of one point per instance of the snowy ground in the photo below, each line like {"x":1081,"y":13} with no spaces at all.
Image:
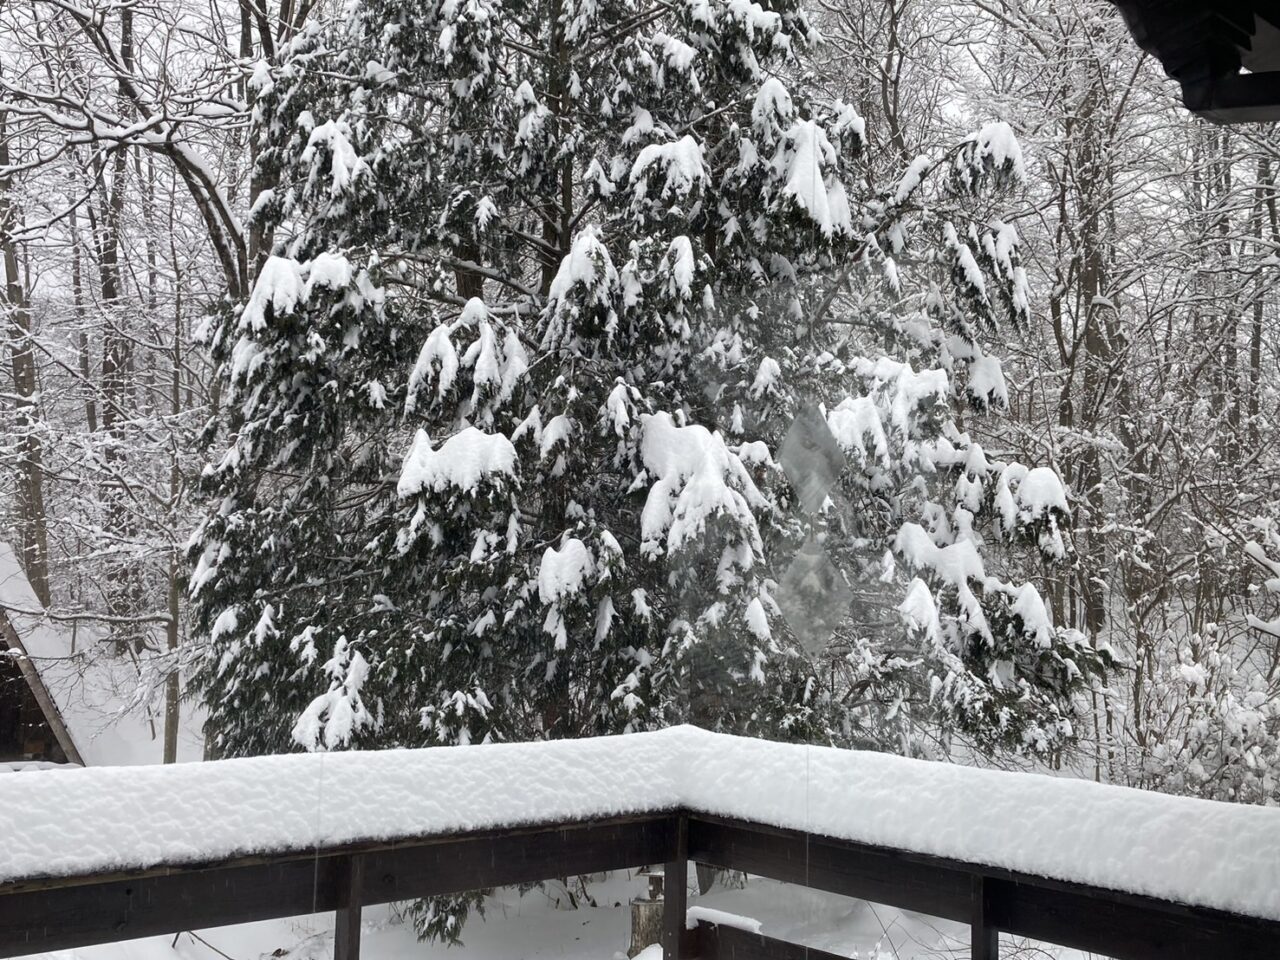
{"x":537,"y":926}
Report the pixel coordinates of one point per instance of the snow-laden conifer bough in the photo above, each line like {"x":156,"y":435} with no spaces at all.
{"x":81,"y":822}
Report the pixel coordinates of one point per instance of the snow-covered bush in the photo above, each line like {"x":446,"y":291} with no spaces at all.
{"x":1209,"y":722}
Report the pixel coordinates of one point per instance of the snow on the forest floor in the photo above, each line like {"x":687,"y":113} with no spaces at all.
{"x":540,"y":926}
{"x":1194,"y":851}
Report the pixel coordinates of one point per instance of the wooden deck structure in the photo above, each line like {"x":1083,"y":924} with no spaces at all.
{"x":66,"y":912}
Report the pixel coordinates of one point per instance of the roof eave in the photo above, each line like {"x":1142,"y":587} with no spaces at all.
{"x":1245,"y":98}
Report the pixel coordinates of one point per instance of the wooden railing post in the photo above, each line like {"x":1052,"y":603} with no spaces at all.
{"x":984,"y":939}
{"x":346,"y":926}
{"x":675,"y":894}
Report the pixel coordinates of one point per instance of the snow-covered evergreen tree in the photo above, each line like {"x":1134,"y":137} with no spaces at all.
{"x":556,"y":287}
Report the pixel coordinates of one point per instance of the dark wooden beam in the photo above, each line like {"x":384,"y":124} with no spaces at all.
{"x":718,"y":942}
{"x":408,"y":871}
{"x":984,"y":939}
{"x":1126,"y":927}
{"x":61,"y":914}
{"x":854,"y":870}
{"x":59,"y":918}
{"x":346,"y":921}
{"x":1119,"y":925}
{"x":675,"y":895}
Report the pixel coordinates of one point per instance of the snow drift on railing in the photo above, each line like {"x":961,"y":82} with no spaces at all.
{"x":91,"y":821}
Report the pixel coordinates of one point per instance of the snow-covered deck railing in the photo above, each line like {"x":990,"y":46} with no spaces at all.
{"x":107,"y":854}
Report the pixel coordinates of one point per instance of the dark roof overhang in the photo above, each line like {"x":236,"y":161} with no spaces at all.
{"x":1226,"y":55}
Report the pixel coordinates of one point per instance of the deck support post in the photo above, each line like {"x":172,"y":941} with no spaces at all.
{"x":346,"y":926}
{"x":675,"y":895}
{"x":984,"y":938}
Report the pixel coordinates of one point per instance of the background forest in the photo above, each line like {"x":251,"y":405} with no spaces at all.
{"x":174,"y":248}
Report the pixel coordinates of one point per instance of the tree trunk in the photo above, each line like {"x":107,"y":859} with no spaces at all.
{"x":123,"y":593}
{"x":77,"y":299}
{"x":33,"y":528}
{"x":1267,"y":197}
{"x":172,"y":691}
